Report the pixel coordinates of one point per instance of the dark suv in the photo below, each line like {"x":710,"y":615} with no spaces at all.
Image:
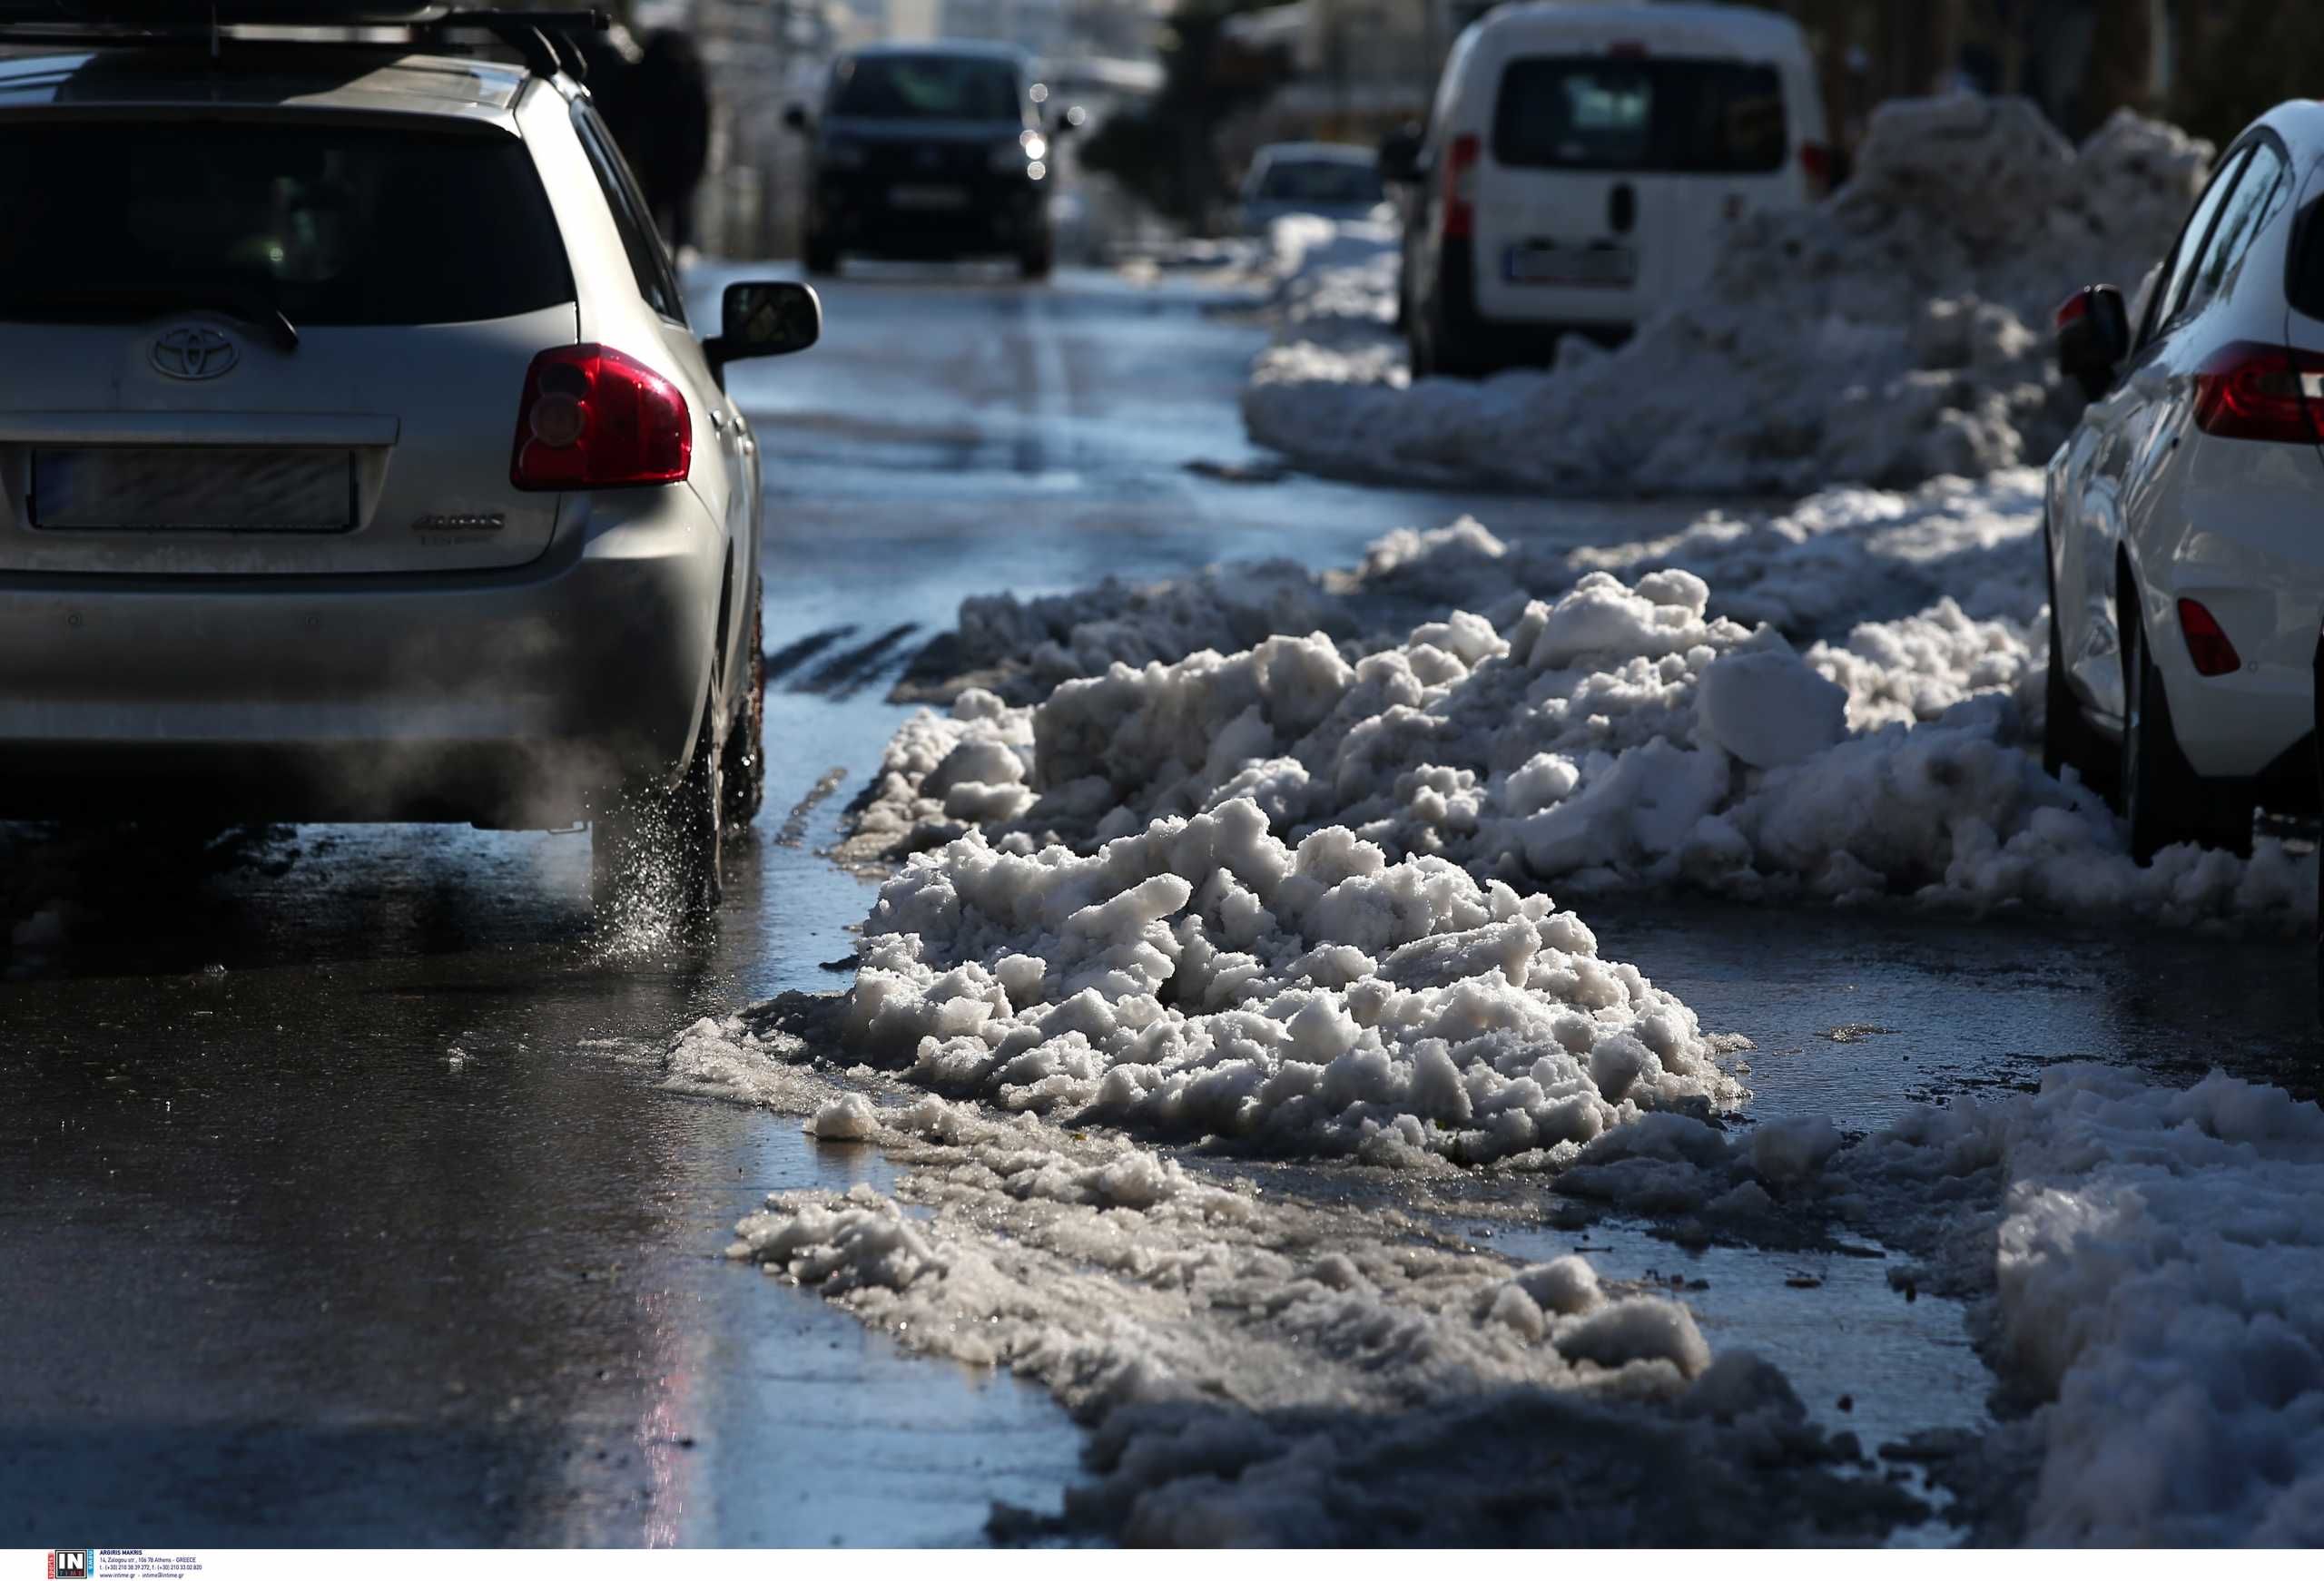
{"x":929,"y":150}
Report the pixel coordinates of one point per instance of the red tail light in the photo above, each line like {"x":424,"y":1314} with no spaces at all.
{"x":1815,"y":164}
{"x":2207,"y":646}
{"x":594,"y":418}
{"x":2249,"y":391}
{"x":1461,"y":187}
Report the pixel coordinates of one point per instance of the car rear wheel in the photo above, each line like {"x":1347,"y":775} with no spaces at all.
{"x":656,"y":853}
{"x":2161,"y":797}
{"x":819,"y":254}
{"x":743,"y":774}
{"x":1439,"y":350}
{"x":1035,"y":262}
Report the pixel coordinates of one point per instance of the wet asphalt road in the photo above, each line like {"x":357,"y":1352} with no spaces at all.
{"x":337,"y":1201}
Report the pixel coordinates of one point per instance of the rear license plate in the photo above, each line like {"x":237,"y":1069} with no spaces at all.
{"x":928,"y":200}
{"x":1545,"y":263}
{"x":192,"y":488}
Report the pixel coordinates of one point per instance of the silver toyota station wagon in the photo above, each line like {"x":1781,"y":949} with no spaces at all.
{"x":358,"y":461}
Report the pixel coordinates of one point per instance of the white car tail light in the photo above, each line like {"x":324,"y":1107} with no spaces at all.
{"x":2250,"y":391}
{"x":1461,"y":186}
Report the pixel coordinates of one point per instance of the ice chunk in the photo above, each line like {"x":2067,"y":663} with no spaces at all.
{"x":1769,"y":709}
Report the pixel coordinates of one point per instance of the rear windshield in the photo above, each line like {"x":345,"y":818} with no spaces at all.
{"x":1684,"y":116}
{"x":1320,"y":181}
{"x":937,"y":87}
{"x":325,"y":223}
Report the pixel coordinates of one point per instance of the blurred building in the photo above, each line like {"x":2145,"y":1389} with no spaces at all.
{"x":1350,"y":69}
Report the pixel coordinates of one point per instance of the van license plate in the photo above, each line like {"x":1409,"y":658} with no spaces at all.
{"x":1544,"y":263}
{"x":928,"y":200}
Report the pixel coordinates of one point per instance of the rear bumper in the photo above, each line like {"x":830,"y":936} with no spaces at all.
{"x":1516,"y":339}
{"x":512,"y":698}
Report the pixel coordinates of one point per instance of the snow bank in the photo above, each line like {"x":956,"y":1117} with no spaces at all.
{"x":2157,"y":1265}
{"x":1620,"y":732}
{"x":1202,"y":978}
{"x":1022,"y":647}
{"x":1274,"y":1365}
{"x":1895,"y":332}
{"x":1841,"y":555}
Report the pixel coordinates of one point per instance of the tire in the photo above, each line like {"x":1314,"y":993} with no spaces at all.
{"x":1035,"y":263}
{"x":1440,"y":351}
{"x":742,"y":771}
{"x":2067,"y":739}
{"x":1418,"y":352}
{"x":819,"y":256}
{"x":2160,"y":796}
{"x":655,"y":854}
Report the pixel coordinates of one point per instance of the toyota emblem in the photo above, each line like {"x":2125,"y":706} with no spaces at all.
{"x":193,"y":351}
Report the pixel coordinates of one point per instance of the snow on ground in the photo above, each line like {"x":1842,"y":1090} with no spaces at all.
{"x":1617,"y":732}
{"x":1203,"y":979}
{"x":1284,"y":902}
{"x":1896,"y":332}
{"x":1263,"y":1363}
{"x":2149,"y":1262}
{"x":2157,"y":1271}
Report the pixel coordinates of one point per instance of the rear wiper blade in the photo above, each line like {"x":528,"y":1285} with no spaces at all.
{"x":245,"y":304}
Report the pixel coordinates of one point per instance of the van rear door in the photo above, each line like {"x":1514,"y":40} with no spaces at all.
{"x":253,"y":342}
{"x":1610,"y":177}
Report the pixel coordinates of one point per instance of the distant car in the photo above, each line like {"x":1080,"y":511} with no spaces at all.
{"x":2185,"y":562}
{"x":357,"y":460}
{"x":1581,"y":163}
{"x":1335,"y":181}
{"x":931,"y":151}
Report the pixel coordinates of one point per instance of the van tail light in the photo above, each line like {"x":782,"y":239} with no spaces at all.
{"x":595,"y":418}
{"x":2207,"y":646}
{"x":1461,"y":187}
{"x":2249,"y":391}
{"x":1815,"y":164}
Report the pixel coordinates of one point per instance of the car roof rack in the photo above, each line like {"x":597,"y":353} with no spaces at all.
{"x":542,"y":39}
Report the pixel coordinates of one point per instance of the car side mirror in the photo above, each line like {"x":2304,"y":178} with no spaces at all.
{"x":765,"y":318}
{"x":1400,"y":155}
{"x":2094,"y":336}
{"x":795,"y":118}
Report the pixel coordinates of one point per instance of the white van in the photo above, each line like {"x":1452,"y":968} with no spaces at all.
{"x":1581,"y":164}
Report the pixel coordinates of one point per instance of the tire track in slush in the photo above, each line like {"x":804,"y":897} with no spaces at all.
{"x":790,"y":656}
{"x":850,"y":670}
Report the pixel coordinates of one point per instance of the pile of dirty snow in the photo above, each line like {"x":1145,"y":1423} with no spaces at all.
{"x":2156,"y":1266}
{"x":1620,"y":732}
{"x":1022,"y":647}
{"x":1895,"y":332}
{"x":1201,"y":977}
{"x":1275,"y":1365}
{"x":1837,"y":557}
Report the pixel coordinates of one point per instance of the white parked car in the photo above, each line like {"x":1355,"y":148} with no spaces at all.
{"x":1335,"y":180}
{"x":2185,"y":557}
{"x":357,"y":459}
{"x":1580,"y":164}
